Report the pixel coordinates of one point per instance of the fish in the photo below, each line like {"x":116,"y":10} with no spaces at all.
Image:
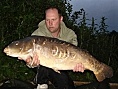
{"x":57,"y":54}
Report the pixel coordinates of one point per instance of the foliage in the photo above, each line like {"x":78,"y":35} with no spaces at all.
{"x":19,"y":19}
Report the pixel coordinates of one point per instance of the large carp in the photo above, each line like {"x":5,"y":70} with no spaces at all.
{"x":57,"y":54}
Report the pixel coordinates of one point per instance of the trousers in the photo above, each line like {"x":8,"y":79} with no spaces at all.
{"x":59,"y":80}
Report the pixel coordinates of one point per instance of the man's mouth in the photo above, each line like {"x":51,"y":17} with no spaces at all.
{"x":51,"y":27}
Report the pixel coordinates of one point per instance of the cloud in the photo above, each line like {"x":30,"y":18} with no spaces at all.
{"x":98,"y":9}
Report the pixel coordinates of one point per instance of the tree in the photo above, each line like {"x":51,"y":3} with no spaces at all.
{"x":19,"y":19}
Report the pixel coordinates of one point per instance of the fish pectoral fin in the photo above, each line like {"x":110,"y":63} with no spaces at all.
{"x":56,"y":70}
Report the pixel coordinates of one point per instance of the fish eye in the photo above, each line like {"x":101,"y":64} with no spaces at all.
{"x":17,"y":43}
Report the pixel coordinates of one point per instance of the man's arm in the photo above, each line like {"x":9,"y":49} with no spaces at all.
{"x":38,"y":32}
{"x":72,"y":38}
{"x":78,"y":67}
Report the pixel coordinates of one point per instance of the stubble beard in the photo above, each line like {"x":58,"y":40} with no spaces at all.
{"x":52,"y":30}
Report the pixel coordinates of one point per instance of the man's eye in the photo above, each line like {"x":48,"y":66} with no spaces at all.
{"x":47,"y":20}
{"x":53,"y":19}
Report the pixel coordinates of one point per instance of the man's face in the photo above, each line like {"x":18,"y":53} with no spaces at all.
{"x":53,"y":20}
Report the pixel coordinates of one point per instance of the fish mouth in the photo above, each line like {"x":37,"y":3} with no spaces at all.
{"x":9,"y":53}
{"x":6,"y":51}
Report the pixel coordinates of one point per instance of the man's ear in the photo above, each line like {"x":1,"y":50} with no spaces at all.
{"x":61,"y":19}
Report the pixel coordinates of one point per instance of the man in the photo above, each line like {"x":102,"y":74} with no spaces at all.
{"x":53,"y":26}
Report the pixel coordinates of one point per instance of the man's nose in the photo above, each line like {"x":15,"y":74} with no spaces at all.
{"x":50,"y":23}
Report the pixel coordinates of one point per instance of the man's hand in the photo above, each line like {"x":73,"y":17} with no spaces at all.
{"x":34,"y":61}
{"x":79,"y":68}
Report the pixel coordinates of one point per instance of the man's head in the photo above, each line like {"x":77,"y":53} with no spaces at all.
{"x":53,"y":18}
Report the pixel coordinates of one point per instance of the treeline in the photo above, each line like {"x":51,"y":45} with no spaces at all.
{"x":20,"y":18}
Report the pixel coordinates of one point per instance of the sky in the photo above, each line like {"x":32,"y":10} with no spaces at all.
{"x":99,"y":9}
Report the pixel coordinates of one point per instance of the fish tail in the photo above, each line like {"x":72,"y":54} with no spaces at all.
{"x":104,"y":72}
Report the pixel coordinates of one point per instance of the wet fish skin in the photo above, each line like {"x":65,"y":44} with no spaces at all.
{"x":57,"y":54}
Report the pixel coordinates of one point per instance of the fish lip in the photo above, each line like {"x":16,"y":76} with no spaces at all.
{"x":6,"y":50}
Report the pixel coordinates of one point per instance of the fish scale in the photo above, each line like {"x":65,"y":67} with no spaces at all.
{"x":57,"y":54}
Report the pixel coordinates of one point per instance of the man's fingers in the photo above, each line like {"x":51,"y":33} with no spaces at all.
{"x":36,"y":61}
{"x":28,"y":60}
{"x":79,"y":68}
{"x":33,"y":61}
